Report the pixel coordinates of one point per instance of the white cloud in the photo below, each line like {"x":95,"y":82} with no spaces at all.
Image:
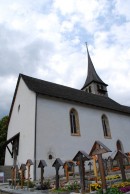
{"x":76,"y":40}
{"x":45,"y":39}
{"x":123,"y":8}
{"x":66,"y":7}
{"x":67,"y":26}
{"x":7,"y":88}
{"x":82,"y":12}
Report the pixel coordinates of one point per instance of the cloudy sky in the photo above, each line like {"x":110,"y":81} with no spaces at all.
{"x":46,"y":39}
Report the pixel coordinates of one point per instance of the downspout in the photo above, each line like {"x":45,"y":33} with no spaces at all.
{"x":35,"y":133}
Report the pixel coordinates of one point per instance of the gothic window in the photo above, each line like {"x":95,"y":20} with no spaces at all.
{"x":106,"y":127}
{"x":74,"y":122}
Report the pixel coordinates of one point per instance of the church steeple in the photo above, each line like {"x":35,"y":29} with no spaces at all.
{"x":93,"y":83}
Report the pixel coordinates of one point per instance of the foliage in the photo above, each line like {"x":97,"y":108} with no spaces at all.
{"x":122,"y":184}
{"x":46,"y":185}
{"x":31,"y":184}
{"x":70,"y":186}
{"x":95,"y":186}
{"x":3,"y":137}
{"x":74,"y":186}
{"x":99,"y":191}
{"x":116,"y":168}
{"x":111,"y":177}
{"x":118,"y":188}
{"x":125,"y":189}
{"x":60,"y":189}
{"x":113,"y":191}
{"x":110,"y":191}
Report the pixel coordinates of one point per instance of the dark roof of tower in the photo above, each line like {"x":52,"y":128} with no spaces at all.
{"x":69,"y":94}
{"x":92,"y":75}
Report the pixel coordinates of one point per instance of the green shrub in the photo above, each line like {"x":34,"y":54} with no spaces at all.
{"x":46,"y":185}
{"x":113,"y":191}
{"x":72,"y":186}
{"x":110,"y":191}
{"x":31,"y":184}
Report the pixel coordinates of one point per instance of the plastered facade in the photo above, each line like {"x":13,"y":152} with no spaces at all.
{"x":54,"y":133}
{"x":23,"y":121}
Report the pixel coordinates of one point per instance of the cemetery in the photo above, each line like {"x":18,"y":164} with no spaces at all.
{"x":95,"y":174}
{"x":50,"y":131}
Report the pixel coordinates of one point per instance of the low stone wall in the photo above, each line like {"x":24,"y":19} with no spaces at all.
{"x":7,"y":172}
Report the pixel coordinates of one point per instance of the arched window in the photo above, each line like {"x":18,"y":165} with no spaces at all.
{"x":106,"y":127}
{"x":74,"y":122}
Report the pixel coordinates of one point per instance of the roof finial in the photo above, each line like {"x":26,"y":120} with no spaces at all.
{"x":87,"y":47}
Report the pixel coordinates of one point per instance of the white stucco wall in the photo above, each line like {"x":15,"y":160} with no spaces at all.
{"x":23,"y":121}
{"x":54,"y":136}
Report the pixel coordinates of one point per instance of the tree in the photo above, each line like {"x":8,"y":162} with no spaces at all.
{"x":3,"y":137}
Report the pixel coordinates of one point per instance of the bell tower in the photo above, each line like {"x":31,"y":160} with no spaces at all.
{"x":93,"y":83}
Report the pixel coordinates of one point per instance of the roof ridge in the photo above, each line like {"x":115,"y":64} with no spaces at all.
{"x":52,"y":83}
{"x":71,"y":94}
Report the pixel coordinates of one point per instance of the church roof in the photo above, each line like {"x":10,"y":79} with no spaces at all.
{"x":92,"y":74}
{"x":59,"y":91}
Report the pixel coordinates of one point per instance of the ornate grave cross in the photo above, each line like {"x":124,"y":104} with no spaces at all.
{"x":67,"y":165}
{"x":22,"y":171}
{"x":57,"y":164}
{"x":80,"y":158}
{"x":41,"y":165}
{"x":14,"y":172}
{"x":99,"y":149}
{"x":28,"y":164}
{"x":119,"y":156}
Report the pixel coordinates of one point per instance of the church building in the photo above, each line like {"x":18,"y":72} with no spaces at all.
{"x":49,"y":121}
